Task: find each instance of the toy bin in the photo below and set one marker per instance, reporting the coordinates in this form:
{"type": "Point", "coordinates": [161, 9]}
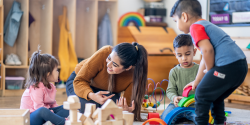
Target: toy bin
{"type": "Point", "coordinates": [14, 82]}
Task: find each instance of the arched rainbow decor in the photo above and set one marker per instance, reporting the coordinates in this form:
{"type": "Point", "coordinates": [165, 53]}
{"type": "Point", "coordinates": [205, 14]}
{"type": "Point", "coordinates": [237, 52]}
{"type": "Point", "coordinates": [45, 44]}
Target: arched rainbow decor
{"type": "Point", "coordinates": [186, 101]}
{"type": "Point", "coordinates": [133, 17]}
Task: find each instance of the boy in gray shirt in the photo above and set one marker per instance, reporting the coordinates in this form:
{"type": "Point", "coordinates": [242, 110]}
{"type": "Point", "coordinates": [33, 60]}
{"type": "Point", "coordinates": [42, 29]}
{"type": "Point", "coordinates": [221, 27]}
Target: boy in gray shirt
{"type": "Point", "coordinates": [182, 74]}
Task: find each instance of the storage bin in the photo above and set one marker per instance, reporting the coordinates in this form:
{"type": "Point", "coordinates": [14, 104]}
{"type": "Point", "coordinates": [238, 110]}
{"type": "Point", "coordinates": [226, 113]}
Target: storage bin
{"type": "Point", "coordinates": [14, 82]}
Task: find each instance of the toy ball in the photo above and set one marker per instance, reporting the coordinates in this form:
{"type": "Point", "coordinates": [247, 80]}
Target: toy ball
{"type": "Point", "coordinates": [146, 97]}
{"type": "Point", "coordinates": [151, 104]}
{"type": "Point", "coordinates": [158, 103]}
{"type": "Point", "coordinates": [145, 105]}
{"type": "Point", "coordinates": [154, 106]}
{"type": "Point", "coordinates": [144, 100]}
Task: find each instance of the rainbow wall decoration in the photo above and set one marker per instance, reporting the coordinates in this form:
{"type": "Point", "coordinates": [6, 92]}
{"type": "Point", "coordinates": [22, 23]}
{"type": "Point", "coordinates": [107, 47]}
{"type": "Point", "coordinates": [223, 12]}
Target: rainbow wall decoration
{"type": "Point", "coordinates": [133, 17]}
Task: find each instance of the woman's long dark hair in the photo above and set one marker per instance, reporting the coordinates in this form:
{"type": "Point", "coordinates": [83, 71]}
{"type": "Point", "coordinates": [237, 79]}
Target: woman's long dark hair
{"type": "Point", "coordinates": [40, 66]}
{"type": "Point", "coordinates": [135, 55]}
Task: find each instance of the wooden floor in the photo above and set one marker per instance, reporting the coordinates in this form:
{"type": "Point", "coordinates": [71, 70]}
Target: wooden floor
{"type": "Point", "coordinates": [14, 102]}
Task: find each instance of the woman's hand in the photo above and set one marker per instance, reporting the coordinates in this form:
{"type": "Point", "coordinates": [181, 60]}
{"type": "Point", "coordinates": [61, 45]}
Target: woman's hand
{"type": "Point", "coordinates": [194, 84]}
{"type": "Point", "coordinates": [99, 97]}
{"type": "Point", "coordinates": [176, 100]}
{"type": "Point", "coordinates": [123, 103]}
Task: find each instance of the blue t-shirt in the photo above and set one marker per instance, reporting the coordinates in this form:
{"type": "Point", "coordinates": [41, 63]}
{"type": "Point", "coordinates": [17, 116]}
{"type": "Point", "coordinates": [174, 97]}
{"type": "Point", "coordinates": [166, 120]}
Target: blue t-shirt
{"type": "Point", "coordinates": [225, 49]}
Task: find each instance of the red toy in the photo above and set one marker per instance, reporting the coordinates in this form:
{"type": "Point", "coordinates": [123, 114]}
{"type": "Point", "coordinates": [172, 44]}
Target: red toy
{"type": "Point", "coordinates": [186, 91]}
{"type": "Point", "coordinates": [153, 115]}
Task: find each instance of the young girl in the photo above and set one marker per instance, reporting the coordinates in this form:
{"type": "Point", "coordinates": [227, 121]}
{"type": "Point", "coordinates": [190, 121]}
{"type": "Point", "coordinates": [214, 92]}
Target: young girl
{"type": "Point", "coordinates": [39, 97]}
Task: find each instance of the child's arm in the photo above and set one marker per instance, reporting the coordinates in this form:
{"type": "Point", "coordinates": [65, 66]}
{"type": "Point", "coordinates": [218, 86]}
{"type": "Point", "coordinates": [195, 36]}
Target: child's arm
{"type": "Point", "coordinates": [207, 53]}
{"type": "Point", "coordinates": [172, 88]}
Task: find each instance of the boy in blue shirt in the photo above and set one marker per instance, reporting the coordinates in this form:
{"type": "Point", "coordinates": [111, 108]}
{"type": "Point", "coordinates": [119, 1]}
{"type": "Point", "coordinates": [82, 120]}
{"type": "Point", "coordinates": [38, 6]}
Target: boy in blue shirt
{"type": "Point", "coordinates": [223, 67]}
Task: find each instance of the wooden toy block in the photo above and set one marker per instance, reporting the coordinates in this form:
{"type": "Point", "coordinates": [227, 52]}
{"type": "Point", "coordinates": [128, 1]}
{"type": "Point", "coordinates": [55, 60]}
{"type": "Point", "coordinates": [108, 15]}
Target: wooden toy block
{"type": "Point", "coordinates": [96, 122]}
{"type": "Point", "coordinates": [112, 122]}
{"type": "Point", "coordinates": [14, 117]}
{"type": "Point", "coordinates": [83, 118]}
{"type": "Point", "coordinates": [73, 99]}
{"type": "Point", "coordinates": [68, 106]}
{"type": "Point", "coordinates": [128, 117]}
{"type": "Point", "coordinates": [68, 122]}
{"type": "Point", "coordinates": [95, 114]}
{"type": "Point", "coordinates": [89, 109]}
{"type": "Point", "coordinates": [104, 114]}
{"type": "Point", "coordinates": [73, 115]}
{"type": "Point", "coordinates": [109, 104]}
{"type": "Point", "coordinates": [72, 104]}
{"type": "Point", "coordinates": [88, 121]}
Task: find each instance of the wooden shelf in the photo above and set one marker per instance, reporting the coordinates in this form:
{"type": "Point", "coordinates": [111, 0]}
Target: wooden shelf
{"type": "Point", "coordinates": [16, 67]}
{"type": "Point", "coordinates": [20, 92]}
{"type": "Point", "coordinates": [83, 19]}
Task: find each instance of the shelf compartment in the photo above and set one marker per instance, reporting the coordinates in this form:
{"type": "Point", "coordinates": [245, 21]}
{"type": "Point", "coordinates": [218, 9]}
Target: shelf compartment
{"type": "Point", "coordinates": [40, 31]}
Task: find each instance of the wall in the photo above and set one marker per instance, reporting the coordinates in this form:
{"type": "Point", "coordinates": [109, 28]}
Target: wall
{"type": "Point", "coordinates": [125, 6]}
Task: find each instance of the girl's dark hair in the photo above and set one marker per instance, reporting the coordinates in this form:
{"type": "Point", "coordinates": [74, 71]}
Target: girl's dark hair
{"type": "Point", "coordinates": [135, 55]}
{"type": "Point", "coordinates": [40, 66]}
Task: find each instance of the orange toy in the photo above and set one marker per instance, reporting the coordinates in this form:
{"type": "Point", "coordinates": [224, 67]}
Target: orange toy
{"type": "Point", "coordinates": [156, 120]}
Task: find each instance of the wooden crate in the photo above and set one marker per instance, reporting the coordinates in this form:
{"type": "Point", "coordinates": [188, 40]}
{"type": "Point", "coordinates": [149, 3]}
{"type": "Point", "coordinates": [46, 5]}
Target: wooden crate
{"type": "Point", "coordinates": [14, 117]}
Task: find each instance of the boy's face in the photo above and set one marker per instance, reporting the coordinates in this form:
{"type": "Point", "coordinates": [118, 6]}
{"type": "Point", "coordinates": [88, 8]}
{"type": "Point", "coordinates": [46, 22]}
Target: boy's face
{"type": "Point", "coordinates": [181, 22]}
{"type": "Point", "coordinates": [184, 55]}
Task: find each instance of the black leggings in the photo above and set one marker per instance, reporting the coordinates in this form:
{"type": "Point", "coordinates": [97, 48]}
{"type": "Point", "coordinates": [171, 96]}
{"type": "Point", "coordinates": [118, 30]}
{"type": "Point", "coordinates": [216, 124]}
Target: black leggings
{"type": "Point", "coordinates": [213, 89]}
{"type": "Point", "coordinates": [70, 91]}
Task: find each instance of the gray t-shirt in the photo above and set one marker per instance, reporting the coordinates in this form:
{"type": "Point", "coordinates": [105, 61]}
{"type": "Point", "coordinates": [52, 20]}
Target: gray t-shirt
{"type": "Point", "coordinates": [178, 78]}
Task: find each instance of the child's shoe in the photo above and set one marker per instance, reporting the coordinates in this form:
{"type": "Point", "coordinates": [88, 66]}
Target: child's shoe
{"type": "Point", "coordinates": [16, 59]}
{"type": "Point", "coordinates": [9, 60]}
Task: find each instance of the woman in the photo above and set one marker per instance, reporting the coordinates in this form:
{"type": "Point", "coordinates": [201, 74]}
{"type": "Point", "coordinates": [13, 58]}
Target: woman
{"type": "Point", "coordinates": [116, 69]}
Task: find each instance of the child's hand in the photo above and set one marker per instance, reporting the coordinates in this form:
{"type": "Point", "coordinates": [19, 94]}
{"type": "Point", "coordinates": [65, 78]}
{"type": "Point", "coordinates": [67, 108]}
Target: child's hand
{"type": "Point", "coordinates": [123, 103]}
{"type": "Point", "coordinates": [52, 111]}
{"type": "Point", "coordinates": [176, 100]}
{"type": "Point", "coordinates": [99, 97]}
{"type": "Point", "coordinates": [193, 84]}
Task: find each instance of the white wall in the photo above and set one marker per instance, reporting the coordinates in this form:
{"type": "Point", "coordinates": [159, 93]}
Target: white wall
{"type": "Point", "coordinates": [125, 6]}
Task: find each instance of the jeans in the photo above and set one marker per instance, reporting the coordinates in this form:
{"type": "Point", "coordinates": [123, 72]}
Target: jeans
{"type": "Point", "coordinates": [42, 115]}
{"type": "Point", "coordinates": [186, 115]}
{"type": "Point", "coordinates": [70, 91]}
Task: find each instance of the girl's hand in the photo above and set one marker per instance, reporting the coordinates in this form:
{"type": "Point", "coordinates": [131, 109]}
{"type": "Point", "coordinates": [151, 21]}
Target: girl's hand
{"type": "Point", "coordinates": [99, 97]}
{"type": "Point", "coordinates": [194, 84]}
{"type": "Point", "coordinates": [176, 100]}
{"type": "Point", "coordinates": [123, 103]}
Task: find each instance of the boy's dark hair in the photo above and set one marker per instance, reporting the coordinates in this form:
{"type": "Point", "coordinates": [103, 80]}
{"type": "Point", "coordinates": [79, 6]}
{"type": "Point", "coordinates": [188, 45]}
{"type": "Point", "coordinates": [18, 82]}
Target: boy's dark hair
{"type": "Point", "coordinates": [192, 7]}
{"type": "Point", "coordinates": [40, 66]}
{"type": "Point", "coordinates": [182, 40]}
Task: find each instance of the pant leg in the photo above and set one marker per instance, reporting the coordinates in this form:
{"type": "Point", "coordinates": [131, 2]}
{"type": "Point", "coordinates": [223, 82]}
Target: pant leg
{"type": "Point", "coordinates": [213, 87]}
{"type": "Point", "coordinates": [167, 110]}
{"type": "Point", "coordinates": [60, 111]}
{"type": "Point", "coordinates": [69, 84]}
{"type": "Point", "coordinates": [42, 115]}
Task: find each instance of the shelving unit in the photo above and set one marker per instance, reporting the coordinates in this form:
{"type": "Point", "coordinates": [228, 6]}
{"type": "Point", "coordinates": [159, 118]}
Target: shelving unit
{"type": "Point", "coordinates": [83, 16]}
